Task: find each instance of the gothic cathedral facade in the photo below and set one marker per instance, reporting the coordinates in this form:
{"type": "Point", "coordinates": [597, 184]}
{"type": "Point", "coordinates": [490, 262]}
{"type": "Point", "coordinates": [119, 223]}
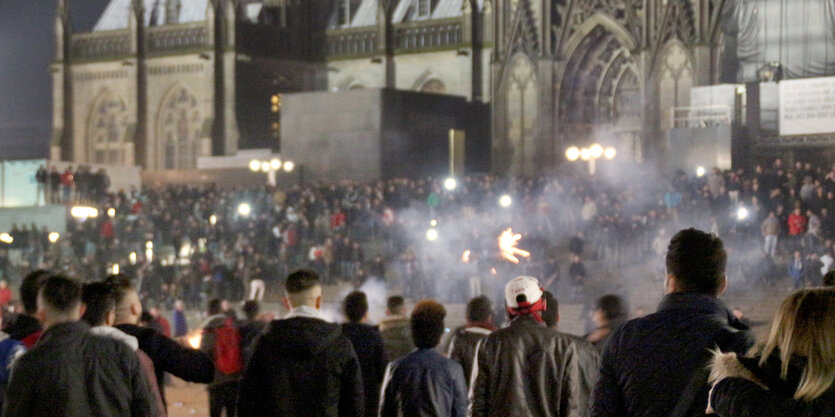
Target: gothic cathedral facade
{"type": "Point", "coordinates": [160, 83]}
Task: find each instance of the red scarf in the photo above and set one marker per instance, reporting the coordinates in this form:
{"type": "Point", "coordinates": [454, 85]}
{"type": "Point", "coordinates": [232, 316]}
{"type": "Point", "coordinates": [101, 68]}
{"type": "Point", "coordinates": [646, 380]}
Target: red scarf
{"type": "Point", "coordinates": [535, 310]}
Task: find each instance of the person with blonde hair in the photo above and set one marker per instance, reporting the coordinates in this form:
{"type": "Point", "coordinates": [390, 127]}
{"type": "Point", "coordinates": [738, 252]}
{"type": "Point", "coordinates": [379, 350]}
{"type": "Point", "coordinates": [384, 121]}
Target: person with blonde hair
{"type": "Point", "coordinates": [794, 372]}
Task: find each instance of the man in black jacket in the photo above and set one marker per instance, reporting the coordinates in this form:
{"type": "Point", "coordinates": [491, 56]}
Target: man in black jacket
{"type": "Point", "coordinates": [527, 369]}
{"type": "Point", "coordinates": [302, 365]}
{"type": "Point", "coordinates": [71, 372]}
{"type": "Point", "coordinates": [465, 339]}
{"type": "Point", "coordinates": [654, 366]}
{"type": "Point", "coordinates": [368, 345]}
{"type": "Point", "coordinates": [25, 327]}
{"type": "Point", "coordinates": [168, 356]}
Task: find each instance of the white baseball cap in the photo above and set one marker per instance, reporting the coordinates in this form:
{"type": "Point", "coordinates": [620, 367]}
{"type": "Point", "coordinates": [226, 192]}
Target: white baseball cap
{"type": "Point", "coordinates": [522, 286]}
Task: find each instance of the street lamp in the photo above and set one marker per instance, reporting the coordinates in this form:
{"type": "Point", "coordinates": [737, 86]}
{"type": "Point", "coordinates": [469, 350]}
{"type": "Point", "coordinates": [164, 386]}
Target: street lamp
{"type": "Point", "coordinates": [53, 237]}
{"type": "Point", "coordinates": [450, 184]}
{"type": "Point", "coordinates": [590, 154]}
{"type": "Point", "coordinates": [505, 201]}
{"type": "Point", "coordinates": [271, 167]}
{"type": "Point", "coordinates": [244, 209]}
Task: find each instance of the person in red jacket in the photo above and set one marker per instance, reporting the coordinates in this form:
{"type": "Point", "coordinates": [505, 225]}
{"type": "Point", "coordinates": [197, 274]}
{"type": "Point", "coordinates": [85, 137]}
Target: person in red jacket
{"type": "Point", "coordinates": [5, 293]}
{"type": "Point", "coordinates": [797, 226]}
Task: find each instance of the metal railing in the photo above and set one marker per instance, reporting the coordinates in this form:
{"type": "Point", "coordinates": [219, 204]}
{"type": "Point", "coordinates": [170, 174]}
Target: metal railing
{"type": "Point", "coordinates": [702, 116]}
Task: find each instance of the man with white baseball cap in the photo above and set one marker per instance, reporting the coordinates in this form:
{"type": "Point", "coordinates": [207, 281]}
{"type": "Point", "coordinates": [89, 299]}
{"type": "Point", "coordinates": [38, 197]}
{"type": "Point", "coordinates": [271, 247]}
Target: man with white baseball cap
{"type": "Point", "coordinates": [527, 369]}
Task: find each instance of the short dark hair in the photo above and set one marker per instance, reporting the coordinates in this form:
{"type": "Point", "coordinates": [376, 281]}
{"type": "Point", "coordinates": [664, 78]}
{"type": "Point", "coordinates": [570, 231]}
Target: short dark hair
{"type": "Point", "coordinates": [301, 280]}
{"type": "Point", "coordinates": [214, 306]}
{"type": "Point", "coordinates": [829, 279]}
{"type": "Point", "coordinates": [29, 288]}
{"type": "Point", "coordinates": [395, 303]}
{"type": "Point", "coordinates": [427, 323]}
{"type": "Point", "coordinates": [551, 315]}
{"type": "Point", "coordinates": [61, 293]}
{"type": "Point", "coordinates": [697, 260]}
{"type": "Point", "coordinates": [612, 307]}
{"type": "Point", "coordinates": [120, 283]}
{"type": "Point", "coordinates": [355, 306]}
{"type": "Point", "coordinates": [99, 299]}
{"type": "Point", "coordinates": [479, 309]}
{"type": "Point", "coordinates": [251, 309]}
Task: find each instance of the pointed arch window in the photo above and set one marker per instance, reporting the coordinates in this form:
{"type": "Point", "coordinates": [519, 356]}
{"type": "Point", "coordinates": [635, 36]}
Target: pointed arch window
{"type": "Point", "coordinates": [179, 130]}
{"type": "Point", "coordinates": [107, 130]}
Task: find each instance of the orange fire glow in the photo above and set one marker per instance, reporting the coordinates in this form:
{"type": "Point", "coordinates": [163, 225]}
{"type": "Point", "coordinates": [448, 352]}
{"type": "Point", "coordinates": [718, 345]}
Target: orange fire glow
{"type": "Point", "coordinates": [465, 257]}
{"type": "Point", "coordinates": [507, 244]}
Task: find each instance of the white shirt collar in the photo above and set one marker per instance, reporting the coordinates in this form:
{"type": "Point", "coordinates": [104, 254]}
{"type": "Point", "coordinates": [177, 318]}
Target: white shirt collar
{"type": "Point", "coordinates": [305, 311]}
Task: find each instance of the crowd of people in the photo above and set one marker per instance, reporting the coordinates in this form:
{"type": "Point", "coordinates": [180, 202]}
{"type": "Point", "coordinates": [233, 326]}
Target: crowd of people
{"type": "Point", "coordinates": [85, 349]}
{"type": "Point", "coordinates": [198, 242]}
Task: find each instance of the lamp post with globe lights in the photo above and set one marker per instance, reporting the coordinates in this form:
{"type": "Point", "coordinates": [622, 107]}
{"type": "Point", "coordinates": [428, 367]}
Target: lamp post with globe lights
{"type": "Point", "coordinates": [271, 167]}
{"type": "Point", "coordinates": [590, 155]}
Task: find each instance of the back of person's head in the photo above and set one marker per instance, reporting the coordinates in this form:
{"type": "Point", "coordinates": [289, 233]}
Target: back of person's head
{"type": "Point", "coordinates": [427, 323]}
{"type": "Point", "coordinates": [121, 286]}
{"type": "Point", "coordinates": [59, 300]}
{"type": "Point", "coordinates": [99, 301]}
{"type": "Point", "coordinates": [303, 288]}
{"type": "Point", "coordinates": [697, 261]}
{"type": "Point", "coordinates": [805, 326]}
{"type": "Point", "coordinates": [612, 307]}
{"type": "Point", "coordinates": [479, 310]}
{"type": "Point", "coordinates": [251, 309]}
{"type": "Point", "coordinates": [214, 306]}
{"type": "Point", "coordinates": [29, 288]}
{"type": "Point", "coordinates": [396, 304]}
{"type": "Point", "coordinates": [551, 315]}
{"type": "Point", "coordinates": [355, 306]}
{"type": "Point", "coordinates": [523, 296]}
{"type": "Point", "coordinates": [829, 279]}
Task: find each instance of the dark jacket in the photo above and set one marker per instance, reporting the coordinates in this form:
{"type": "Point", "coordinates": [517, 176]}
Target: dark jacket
{"type": "Point", "coordinates": [169, 356]}
{"type": "Point", "coordinates": [650, 363]}
{"type": "Point", "coordinates": [397, 336]}
{"type": "Point", "coordinates": [24, 328]}
{"type": "Point", "coordinates": [371, 354]}
{"type": "Point", "coordinates": [527, 369]}
{"type": "Point", "coordinates": [739, 396]}
{"type": "Point", "coordinates": [462, 347]}
{"type": "Point", "coordinates": [424, 384]}
{"type": "Point", "coordinates": [302, 367]}
{"type": "Point", "coordinates": [71, 372]}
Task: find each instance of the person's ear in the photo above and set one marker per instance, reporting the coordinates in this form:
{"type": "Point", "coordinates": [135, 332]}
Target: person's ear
{"type": "Point", "coordinates": [723, 285]}
{"type": "Point", "coordinates": [81, 309]}
{"type": "Point", "coordinates": [40, 315]}
{"type": "Point", "coordinates": [286, 302]}
{"type": "Point", "coordinates": [319, 302]}
{"type": "Point", "coordinates": [670, 284]}
{"type": "Point", "coordinates": [135, 310]}
{"type": "Point", "coordinates": [111, 317]}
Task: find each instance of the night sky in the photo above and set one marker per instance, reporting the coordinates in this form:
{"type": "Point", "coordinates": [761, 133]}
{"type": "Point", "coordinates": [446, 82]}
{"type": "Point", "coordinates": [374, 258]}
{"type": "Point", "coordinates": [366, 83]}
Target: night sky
{"type": "Point", "coordinates": [27, 47]}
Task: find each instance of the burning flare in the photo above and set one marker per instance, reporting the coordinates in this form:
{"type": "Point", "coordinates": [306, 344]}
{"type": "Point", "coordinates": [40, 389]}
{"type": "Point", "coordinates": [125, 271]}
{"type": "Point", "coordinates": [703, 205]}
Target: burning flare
{"type": "Point", "coordinates": [507, 244]}
{"type": "Point", "coordinates": [465, 257]}
{"type": "Point", "coordinates": [194, 339]}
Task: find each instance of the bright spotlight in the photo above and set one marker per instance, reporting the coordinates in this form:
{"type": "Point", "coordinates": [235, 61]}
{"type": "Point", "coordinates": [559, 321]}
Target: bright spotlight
{"type": "Point", "coordinates": [433, 222]}
{"type": "Point", "coordinates": [431, 235]}
{"type": "Point", "coordinates": [111, 212]}
{"type": "Point", "coordinates": [585, 154]}
{"type": "Point", "coordinates": [275, 164]}
{"type": "Point", "coordinates": [6, 238]}
{"type": "Point", "coordinates": [254, 165]}
{"type": "Point", "coordinates": [572, 153]}
{"type": "Point", "coordinates": [289, 166]}
{"type": "Point", "coordinates": [132, 258]}
{"type": "Point", "coordinates": [700, 172]}
{"type": "Point", "coordinates": [213, 220]}
{"type": "Point", "coordinates": [596, 151]}
{"type": "Point", "coordinates": [53, 237]}
{"type": "Point", "coordinates": [505, 201]}
{"type": "Point", "coordinates": [82, 212]}
{"type": "Point", "coordinates": [741, 213]}
{"type": "Point", "coordinates": [265, 166]}
{"type": "Point", "coordinates": [609, 153]}
{"type": "Point", "coordinates": [244, 209]}
{"type": "Point", "coordinates": [115, 269]}
{"type": "Point", "coordinates": [149, 245]}
{"type": "Point", "coordinates": [450, 184]}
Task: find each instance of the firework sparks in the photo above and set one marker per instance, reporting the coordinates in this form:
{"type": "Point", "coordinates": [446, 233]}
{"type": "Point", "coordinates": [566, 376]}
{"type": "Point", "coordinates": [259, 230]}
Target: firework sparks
{"type": "Point", "coordinates": [465, 257]}
{"type": "Point", "coordinates": [507, 244]}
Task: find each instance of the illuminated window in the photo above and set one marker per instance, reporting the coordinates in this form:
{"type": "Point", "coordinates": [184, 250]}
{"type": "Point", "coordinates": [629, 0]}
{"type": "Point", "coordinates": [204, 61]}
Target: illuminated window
{"type": "Point", "coordinates": [275, 103]}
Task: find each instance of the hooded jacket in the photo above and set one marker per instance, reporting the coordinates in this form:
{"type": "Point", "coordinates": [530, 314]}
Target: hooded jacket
{"type": "Point", "coordinates": [145, 362]}
{"type": "Point", "coordinates": [302, 366]}
{"type": "Point", "coordinates": [529, 370]}
{"type": "Point", "coordinates": [24, 328]}
{"type": "Point", "coordinates": [397, 336]}
{"type": "Point", "coordinates": [746, 389]}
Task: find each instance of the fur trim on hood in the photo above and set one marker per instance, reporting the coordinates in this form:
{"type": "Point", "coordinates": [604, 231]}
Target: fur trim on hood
{"type": "Point", "coordinates": [117, 334]}
{"type": "Point", "coordinates": [727, 365]}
